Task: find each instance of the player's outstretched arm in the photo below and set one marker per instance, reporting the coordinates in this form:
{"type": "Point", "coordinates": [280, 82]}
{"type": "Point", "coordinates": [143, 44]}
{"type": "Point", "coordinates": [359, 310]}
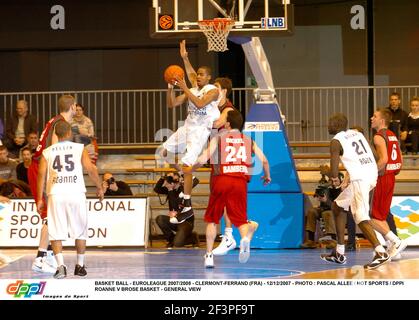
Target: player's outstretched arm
{"type": "Point", "coordinates": [190, 71]}
{"type": "Point", "coordinates": [92, 171]}
{"type": "Point", "coordinates": [265, 164]}
{"type": "Point", "coordinates": [40, 184]}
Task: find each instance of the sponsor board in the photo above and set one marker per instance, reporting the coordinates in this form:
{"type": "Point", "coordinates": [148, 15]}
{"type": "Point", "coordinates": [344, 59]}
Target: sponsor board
{"type": "Point", "coordinates": [261, 126]}
{"type": "Point", "coordinates": [112, 222]}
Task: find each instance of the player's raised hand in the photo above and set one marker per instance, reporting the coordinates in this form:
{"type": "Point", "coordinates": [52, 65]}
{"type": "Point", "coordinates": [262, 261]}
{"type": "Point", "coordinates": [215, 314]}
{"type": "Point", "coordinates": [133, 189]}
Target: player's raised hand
{"type": "Point", "coordinates": [181, 83]}
{"type": "Point", "coordinates": [266, 180]}
{"type": "Point", "coordinates": [182, 50]}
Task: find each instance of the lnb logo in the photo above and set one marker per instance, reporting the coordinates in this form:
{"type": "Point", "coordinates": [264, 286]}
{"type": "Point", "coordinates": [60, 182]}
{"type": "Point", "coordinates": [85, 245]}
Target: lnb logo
{"type": "Point", "coordinates": [27, 290]}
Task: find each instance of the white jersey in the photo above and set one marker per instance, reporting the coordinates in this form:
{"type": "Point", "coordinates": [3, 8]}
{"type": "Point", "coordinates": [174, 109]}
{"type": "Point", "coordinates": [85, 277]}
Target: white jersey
{"type": "Point", "coordinates": [203, 117]}
{"type": "Point", "coordinates": [65, 170]}
{"type": "Point", "coordinates": [357, 157]}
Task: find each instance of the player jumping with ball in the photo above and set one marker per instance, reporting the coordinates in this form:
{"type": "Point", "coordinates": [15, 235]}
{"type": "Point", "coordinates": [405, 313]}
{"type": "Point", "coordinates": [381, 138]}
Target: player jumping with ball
{"type": "Point", "coordinates": [190, 139]}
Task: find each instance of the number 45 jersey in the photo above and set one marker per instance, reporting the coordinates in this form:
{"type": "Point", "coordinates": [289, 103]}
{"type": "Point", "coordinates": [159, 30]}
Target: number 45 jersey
{"type": "Point", "coordinates": [64, 171]}
{"type": "Point", "coordinates": [358, 158]}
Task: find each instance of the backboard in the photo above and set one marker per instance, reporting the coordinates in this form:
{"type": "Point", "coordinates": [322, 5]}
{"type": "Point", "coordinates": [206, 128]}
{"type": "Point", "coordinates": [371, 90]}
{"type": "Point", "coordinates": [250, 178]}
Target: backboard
{"type": "Point", "coordinates": [176, 18]}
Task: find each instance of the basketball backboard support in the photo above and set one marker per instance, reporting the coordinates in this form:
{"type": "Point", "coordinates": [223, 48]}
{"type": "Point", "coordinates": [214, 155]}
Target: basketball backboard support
{"type": "Point", "coordinates": [179, 18]}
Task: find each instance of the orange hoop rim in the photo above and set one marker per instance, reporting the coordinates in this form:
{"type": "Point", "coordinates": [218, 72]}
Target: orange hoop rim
{"type": "Point", "coordinates": [217, 22]}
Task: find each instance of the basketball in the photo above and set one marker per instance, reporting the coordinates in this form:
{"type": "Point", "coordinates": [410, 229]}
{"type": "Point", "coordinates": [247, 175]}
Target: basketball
{"type": "Point", "coordinates": [172, 72]}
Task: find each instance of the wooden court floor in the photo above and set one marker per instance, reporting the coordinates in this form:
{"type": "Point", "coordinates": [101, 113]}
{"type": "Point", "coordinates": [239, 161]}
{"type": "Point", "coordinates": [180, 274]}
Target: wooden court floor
{"type": "Point", "coordinates": [189, 264]}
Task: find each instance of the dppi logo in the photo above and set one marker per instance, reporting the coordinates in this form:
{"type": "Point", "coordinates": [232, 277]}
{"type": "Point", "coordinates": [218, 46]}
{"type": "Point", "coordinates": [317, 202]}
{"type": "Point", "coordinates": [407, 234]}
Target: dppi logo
{"type": "Point", "coordinates": [27, 290]}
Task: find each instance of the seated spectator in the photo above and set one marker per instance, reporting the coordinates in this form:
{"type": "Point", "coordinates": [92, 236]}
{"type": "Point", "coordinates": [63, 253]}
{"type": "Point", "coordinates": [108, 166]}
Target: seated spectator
{"type": "Point", "coordinates": [18, 127]}
{"type": "Point", "coordinates": [7, 165]}
{"type": "Point", "coordinates": [179, 234]}
{"type": "Point", "coordinates": [83, 132]}
{"type": "Point", "coordinates": [113, 187]}
{"type": "Point", "coordinates": [413, 125]}
{"type": "Point", "coordinates": [22, 168]}
{"type": "Point", "coordinates": [82, 126]}
{"type": "Point", "coordinates": [14, 189]}
{"type": "Point", "coordinates": [32, 144]}
{"type": "Point", "coordinates": [326, 193]}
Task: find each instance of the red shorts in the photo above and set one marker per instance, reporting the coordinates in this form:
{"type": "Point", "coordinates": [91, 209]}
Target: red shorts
{"type": "Point", "coordinates": [231, 193]}
{"type": "Point", "coordinates": [32, 178]}
{"type": "Point", "coordinates": [383, 194]}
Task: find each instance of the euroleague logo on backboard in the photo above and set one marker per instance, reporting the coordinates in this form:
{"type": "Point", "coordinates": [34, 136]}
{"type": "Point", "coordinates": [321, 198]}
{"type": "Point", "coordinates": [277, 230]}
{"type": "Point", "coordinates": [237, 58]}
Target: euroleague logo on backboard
{"type": "Point", "coordinates": [27, 290]}
{"type": "Point", "coordinates": [166, 22]}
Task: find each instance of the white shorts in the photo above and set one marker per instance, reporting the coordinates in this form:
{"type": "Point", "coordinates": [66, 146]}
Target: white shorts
{"type": "Point", "coordinates": [67, 217]}
{"type": "Point", "coordinates": [356, 197]}
{"type": "Point", "coordinates": [189, 140]}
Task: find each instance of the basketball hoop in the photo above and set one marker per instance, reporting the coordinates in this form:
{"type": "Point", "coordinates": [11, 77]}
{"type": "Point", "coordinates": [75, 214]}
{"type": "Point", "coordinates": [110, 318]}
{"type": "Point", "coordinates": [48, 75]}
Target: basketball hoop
{"type": "Point", "coordinates": [216, 31]}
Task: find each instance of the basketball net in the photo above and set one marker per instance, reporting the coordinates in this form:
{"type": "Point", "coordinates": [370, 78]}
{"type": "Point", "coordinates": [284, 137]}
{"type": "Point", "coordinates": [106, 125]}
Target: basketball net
{"type": "Point", "coordinates": [216, 31]}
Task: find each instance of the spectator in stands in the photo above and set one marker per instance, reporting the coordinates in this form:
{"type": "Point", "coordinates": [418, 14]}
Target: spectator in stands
{"type": "Point", "coordinates": [13, 188]}
{"type": "Point", "coordinates": [413, 125]}
{"type": "Point", "coordinates": [32, 144]}
{"type": "Point", "coordinates": [83, 132]}
{"type": "Point", "coordinates": [7, 165]}
{"type": "Point", "coordinates": [179, 234]}
{"type": "Point", "coordinates": [113, 187]}
{"type": "Point", "coordinates": [18, 127]}
{"type": "Point", "coordinates": [22, 168]}
{"type": "Point", "coordinates": [326, 193]}
{"type": "Point", "coordinates": [82, 126]}
{"type": "Point", "coordinates": [398, 123]}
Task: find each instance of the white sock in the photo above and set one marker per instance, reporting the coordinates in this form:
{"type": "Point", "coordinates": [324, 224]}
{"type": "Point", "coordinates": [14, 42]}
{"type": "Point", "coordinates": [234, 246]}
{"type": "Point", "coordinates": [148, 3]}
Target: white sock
{"type": "Point", "coordinates": [80, 260]}
{"type": "Point", "coordinates": [60, 259]}
{"type": "Point", "coordinates": [340, 248]}
{"type": "Point", "coordinates": [392, 237]}
{"type": "Point", "coordinates": [228, 232]}
{"type": "Point", "coordinates": [187, 196]}
{"type": "Point", "coordinates": [379, 249]}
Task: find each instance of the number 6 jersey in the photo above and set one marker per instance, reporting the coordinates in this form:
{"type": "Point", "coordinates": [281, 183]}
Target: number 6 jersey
{"type": "Point", "coordinates": [358, 158]}
{"type": "Point", "coordinates": [64, 171]}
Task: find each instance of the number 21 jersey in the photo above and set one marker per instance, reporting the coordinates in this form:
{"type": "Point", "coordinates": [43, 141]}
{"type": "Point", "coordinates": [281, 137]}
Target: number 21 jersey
{"type": "Point", "coordinates": [357, 158]}
{"type": "Point", "coordinates": [64, 168]}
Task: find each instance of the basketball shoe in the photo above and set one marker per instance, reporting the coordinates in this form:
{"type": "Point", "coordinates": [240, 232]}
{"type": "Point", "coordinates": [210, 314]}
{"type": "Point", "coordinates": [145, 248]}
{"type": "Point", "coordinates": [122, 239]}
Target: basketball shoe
{"type": "Point", "coordinates": [41, 264]}
{"type": "Point", "coordinates": [80, 270]}
{"type": "Point", "coordinates": [186, 212]}
{"type": "Point", "coordinates": [227, 243]}
{"type": "Point", "coordinates": [334, 257]}
{"type": "Point", "coordinates": [244, 254]}
{"type": "Point", "coordinates": [394, 249]}
{"type": "Point", "coordinates": [379, 259]}
{"type": "Point", "coordinates": [61, 272]}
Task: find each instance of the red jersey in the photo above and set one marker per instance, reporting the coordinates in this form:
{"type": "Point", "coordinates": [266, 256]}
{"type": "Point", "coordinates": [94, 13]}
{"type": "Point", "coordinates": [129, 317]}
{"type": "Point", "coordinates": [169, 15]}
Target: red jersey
{"type": "Point", "coordinates": [394, 163]}
{"type": "Point", "coordinates": [235, 154]}
{"type": "Point", "coordinates": [46, 137]}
